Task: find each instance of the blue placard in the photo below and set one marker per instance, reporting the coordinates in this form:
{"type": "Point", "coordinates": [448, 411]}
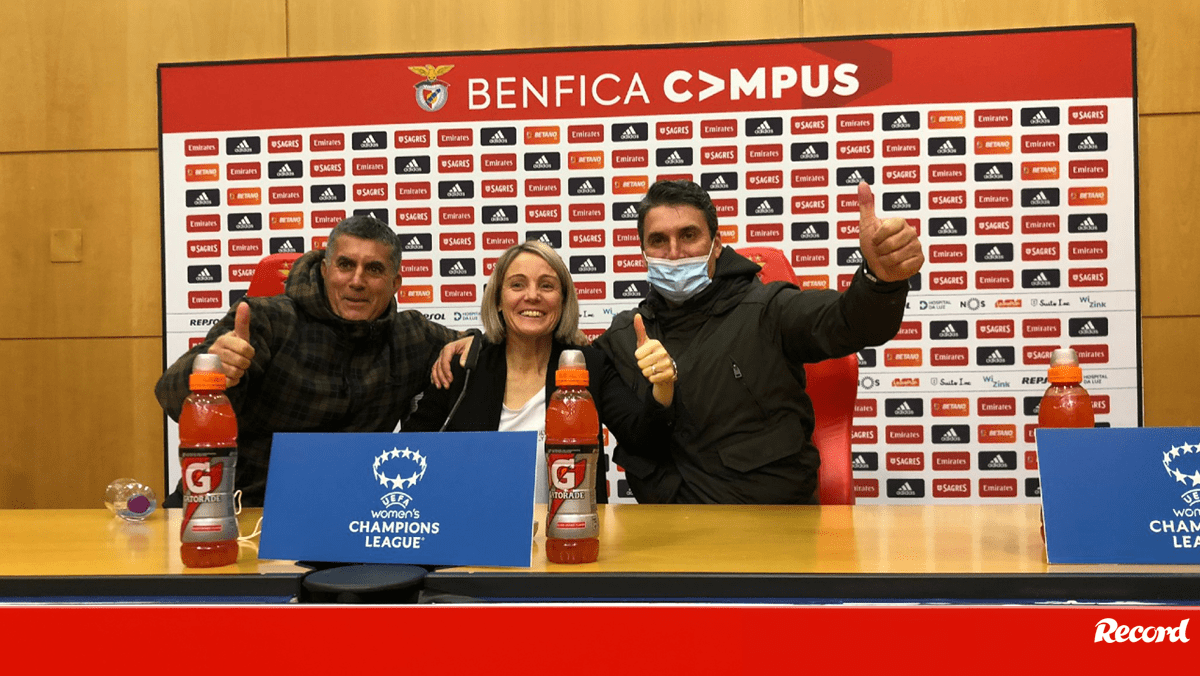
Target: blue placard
{"type": "Point", "coordinates": [1121, 495]}
{"type": "Point", "coordinates": [451, 498]}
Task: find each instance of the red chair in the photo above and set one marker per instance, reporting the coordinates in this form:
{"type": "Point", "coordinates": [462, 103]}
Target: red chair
{"type": "Point", "coordinates": [833, 387]}
{"type": "Point", "coordinates": [270, 275]}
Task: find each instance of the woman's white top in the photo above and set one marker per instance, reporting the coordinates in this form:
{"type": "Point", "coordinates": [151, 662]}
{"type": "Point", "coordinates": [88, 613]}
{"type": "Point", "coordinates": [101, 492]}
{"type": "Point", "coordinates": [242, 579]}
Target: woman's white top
{"type": "Point", "coordinates": [531, 418]}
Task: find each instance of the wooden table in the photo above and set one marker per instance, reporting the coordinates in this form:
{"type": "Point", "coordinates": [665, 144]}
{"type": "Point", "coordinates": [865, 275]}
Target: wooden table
{"type": "Point", "coordinates": [954, 553]}
{"type": "Point", "coordinates": [942, 553]}
{"type": "Point", "coordinates": [91, 554]}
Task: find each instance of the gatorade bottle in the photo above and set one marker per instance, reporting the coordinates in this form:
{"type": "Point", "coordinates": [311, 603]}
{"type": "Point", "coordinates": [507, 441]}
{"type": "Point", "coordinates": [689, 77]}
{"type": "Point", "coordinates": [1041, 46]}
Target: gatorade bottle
{"type": "Point", "coordinates": [572, 451]}
{"type": "Point", "coordinates": [1065, 403]}
{"type": "Point", "coordinates": [208, 454]}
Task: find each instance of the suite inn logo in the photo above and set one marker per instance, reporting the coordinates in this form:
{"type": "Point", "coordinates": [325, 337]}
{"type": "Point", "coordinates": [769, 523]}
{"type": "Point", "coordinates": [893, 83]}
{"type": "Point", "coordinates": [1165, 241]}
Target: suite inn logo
{"type": "Point", "coordinates": [396, 526]}
{"type": "Point", "coordinates": [432, 93]}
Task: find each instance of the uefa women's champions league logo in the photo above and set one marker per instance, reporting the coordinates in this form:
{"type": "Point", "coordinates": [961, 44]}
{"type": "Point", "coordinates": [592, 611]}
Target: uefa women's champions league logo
{"type": "Point", "coordinates": [432, 93]}
{"type": "Point", "coordinates": [399, 461]}
{"type": "Point", "coordinates": [1175, 457]}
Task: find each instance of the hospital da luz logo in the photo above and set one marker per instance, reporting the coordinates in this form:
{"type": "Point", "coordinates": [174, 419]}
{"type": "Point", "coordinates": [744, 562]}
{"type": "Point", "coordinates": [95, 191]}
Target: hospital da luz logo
{"type": "Point", "coordinates": [432, 92]}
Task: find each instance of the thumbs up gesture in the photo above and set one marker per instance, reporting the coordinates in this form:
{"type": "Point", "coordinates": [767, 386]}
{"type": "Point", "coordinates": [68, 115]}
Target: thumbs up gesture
{"type": "Point", "coordinates": [234, 347]}
{"type": "Point", "coordinates": [890, 246]}
{"type": "Point", "coordinates": [656, 365]}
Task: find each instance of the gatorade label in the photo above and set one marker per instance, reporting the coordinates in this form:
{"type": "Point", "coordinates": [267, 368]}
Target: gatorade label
{"type": "Point", "coordinates": [572, 482]}
{"type": "Point", "coordinates": [208, 494]}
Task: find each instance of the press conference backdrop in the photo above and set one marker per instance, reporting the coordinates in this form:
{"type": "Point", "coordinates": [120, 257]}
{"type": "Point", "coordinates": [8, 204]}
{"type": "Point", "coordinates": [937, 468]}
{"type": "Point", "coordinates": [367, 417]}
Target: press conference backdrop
{"type": "Point", "coordinates": [1013, 153]}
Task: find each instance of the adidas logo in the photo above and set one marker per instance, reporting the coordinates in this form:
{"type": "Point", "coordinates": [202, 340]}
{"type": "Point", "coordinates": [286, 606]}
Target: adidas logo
{"type": "Point", "coordinates": [586, 189]}
{"type": "Point", "coordinates": [855, 258]}
{"type": "Point", "coordinates": [673, 158]}
{"type": "Point", "coordinates": [455, 191]}
{"type": "Point", "coordinates": [854, 179]}
{"type": "Point", "coordinates": [810, 233]}
{"type": "Point", "coordinates": [243, 147]}
{"type": "Point", "coordinates": [903, 409]}
{"type": "Point", "coordinates": [905, 489]}
{"type": "Point", "coordinates": [993, 174]}
{"type": "Point", "coordinates": [994, 358]}
{"type": "Point", "coordinates": [1087, 225]}
{"type": "Point", "coordinates": [763, 128]}
{"type": "Point", "coordinates": [587, 266]}
{"type": "Point", "coordinates": [630, 134]}
{"type": "Point", "coordinates": [1087, 144]}
{"type": "Point", "coordinates": [202, 200]}
{"type": "Point", "coordinates": [947, 229]}
{"type": "Point", "coordinates": [994, 255]}
{"type": "Point", "coordinates": [901, 123]}
{"type": "Point", "coordinates": [204, 276]}
{"type": "Point", "coordinates": [630, 212]}
{"type": "Point", "coordinates": [810, 153]}
{"type": "Point", "coordinates": [244, 223]}
{"type": "Point", "coordinates": [1040, 280]}
{"type": "Point", "coordinates": [328, 195]}
{"type": "Point", "coordinates": [861, 361]}
{"type": "Point", "coordinates": [951, 436]}
{"type": "Point", "coordinates": [901, 203]}
{"type": "Point", "coordinates": [457, 269]}
{"type": "Point", "coordinates": [764, 208]}
{"type": "Point", "coordinates": [499, 217]}
{"type": "Point", "coordinates": [1088, 329]}
{"type": "Point", "coordinates": [285, 171]}
{"type": "Point", "coordinates": [545, 239]}
{"type": "Point", "coordinates": [542, 163]}
{"type": "Point", "coordinates": [286, 247]}
{"type": "Point", "coordinates": [498, 138]}
{"type": "Point", "coordinates": [1040, 118]}
{"type": "Point", "coordinates": [997, 462]}
{"type": "Point", "coordinates": [719, 183]}
{"type": "Point", "coordinates": [947, 148]}
{"type": "Point", "coordinates": [630, 292]}
{"type": "Point", "coordinates": [948, 332]}
{"type": "Point", "coordinates": [414, 244]}
{"type": "Point", "coordinates": [369, 142]}
{"type": "Point", "coordinates": [412, 166]}
{"type": "Point", "coordinates": [859, 463]}
{"type": "Point", "coordinates": [1039, 199]}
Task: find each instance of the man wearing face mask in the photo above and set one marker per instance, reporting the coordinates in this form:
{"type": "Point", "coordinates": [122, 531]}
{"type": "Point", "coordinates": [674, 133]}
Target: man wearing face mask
{"type": "Point", "coordinates": [742, 418]}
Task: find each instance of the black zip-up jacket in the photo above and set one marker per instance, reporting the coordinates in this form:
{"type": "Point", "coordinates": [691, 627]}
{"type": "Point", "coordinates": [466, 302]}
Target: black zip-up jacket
{"type": "Point", "coordinates": [742, 418]}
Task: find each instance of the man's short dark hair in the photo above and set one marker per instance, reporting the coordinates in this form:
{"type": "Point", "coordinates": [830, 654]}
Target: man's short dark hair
{"type": "Point", "coordinates": [371, 228]}
{"type": "Point", "coordinates": [675, 194]}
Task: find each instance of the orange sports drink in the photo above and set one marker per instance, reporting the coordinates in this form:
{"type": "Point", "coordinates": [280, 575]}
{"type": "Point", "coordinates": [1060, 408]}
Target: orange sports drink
{"type": "Point", "coordinates": [572, 452]}
{"type": "Point", "coordinates": [208, 455]}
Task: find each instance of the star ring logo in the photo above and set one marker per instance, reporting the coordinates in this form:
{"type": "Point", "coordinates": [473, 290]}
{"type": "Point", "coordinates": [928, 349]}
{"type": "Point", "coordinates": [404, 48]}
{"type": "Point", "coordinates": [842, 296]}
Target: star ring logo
{"type": "Point", "coordinates": [398, 482]}
{"type": "Point", "coordinates": [1192, 496]}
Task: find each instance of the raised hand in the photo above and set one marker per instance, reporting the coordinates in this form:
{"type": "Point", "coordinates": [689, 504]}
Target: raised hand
{"type": "Point", "coordinates": [441, 376]}
{"type": "Point", "coordinates": [656, 365]}
{"type": "Point", "coordinates": [234, 347]}
{"type": "Point", "coordinates": [890, 246]}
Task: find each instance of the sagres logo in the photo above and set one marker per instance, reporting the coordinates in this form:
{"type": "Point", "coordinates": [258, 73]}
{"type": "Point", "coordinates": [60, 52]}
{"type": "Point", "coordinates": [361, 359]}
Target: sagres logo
{"type": "Point", "coordinates": [432, 94]}
{"type": "Point", "coordinates": [399, 462]}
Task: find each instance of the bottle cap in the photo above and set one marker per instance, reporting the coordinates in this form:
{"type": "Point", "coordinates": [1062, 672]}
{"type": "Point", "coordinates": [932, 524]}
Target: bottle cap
{"type": "Point", "coordinates": [1064, 366]}
{"type": "Point", "coordinates": [207, 373]}
{"type": "Point", "coordinates": [572, 370]}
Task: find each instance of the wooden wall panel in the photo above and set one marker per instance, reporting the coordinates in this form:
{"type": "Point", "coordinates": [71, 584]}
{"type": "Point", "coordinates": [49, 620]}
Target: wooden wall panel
{"type": "Point", "coordinates": [1169, 181]}
{"type": "Point", "coordinates": [330, 27]}
{"type": "Point", "coordinates": [81, 74]}
{"type": "Point", "coordinates": [78, 414]}
{"type": "Point", "coordinates": [1168, 53]}
{"type": "Point", "coordinates": [112, 198]}
{"type": "Point", "coordinates": [1170, 362]}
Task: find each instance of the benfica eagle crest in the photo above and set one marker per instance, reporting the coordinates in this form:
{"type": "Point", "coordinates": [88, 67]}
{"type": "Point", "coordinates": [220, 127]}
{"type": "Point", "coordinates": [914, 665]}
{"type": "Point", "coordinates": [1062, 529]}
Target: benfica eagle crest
{"type": "Point", "coordinates": [432, 93]}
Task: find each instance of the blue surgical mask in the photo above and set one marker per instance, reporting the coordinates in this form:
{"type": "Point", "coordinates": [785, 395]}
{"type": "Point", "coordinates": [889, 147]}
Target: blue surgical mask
{"type": "Point", "coordinates": [680, 279]}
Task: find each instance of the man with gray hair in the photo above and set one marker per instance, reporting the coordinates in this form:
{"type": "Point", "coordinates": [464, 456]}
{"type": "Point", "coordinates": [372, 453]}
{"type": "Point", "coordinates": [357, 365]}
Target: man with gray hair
{"type": "Point", "coordinates": [331, 354]}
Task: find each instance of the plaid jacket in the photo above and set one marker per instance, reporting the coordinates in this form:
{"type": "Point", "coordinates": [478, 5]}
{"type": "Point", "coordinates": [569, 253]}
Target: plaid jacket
{"type": "Point", "coordinates": [314, 371]}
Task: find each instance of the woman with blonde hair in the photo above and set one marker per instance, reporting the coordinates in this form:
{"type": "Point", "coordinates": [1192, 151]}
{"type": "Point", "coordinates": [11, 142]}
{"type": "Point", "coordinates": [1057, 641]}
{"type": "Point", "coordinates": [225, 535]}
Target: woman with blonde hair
{"type": "Point", "coordinates": [530, 314]}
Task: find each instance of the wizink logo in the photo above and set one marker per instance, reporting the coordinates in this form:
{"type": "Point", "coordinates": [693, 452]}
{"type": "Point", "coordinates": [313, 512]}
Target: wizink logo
{"type": "Point", "coordinates": [399, 461]}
